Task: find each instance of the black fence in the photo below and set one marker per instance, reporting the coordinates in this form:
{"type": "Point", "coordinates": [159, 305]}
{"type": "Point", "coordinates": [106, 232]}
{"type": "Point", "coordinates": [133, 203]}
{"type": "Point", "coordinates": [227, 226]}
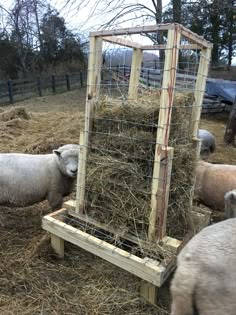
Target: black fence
{"type": "Point", "coordinates": [20, 89]}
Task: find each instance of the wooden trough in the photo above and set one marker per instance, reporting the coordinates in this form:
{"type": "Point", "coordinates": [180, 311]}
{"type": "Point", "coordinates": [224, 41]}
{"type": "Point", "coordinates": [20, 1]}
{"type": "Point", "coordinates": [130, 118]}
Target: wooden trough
{"type": "Point", "coordinates": [73, 225]}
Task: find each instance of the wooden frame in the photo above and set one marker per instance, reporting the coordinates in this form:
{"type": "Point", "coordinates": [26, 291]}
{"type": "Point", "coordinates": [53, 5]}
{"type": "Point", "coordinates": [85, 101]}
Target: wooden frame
{"type": "Point", "coordinates": [153, 273]}
{"type": "Point", "coordinates": [146, 268]}
{"type": "Point", "coordinates": [200, 41]}
{"type": "Point", "coordinates": [160, 184]}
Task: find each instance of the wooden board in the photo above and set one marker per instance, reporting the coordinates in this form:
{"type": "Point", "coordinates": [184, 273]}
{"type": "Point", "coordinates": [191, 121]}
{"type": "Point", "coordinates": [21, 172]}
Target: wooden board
{"type": "Point", "coordinates": [135, 73]}
{"type": "Point", "coordinates": [200, 89]}
{"type": "Point", "coordinates": [93, 86]}
{"type": "Point", "coordinates": [159, 208]}
{"type": "Point", "coordinates": [146, 269]}
{"type": "Point", "coordinates": [194, 38]}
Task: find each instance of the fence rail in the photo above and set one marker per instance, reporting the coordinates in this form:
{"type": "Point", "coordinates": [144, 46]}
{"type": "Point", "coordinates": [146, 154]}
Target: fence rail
{"type": "Point", "coordinates": [19, 89]}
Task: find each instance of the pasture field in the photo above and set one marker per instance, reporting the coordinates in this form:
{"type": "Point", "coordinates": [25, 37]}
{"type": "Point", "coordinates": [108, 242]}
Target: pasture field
{"type": "Point", "coordinates": [32, 279]}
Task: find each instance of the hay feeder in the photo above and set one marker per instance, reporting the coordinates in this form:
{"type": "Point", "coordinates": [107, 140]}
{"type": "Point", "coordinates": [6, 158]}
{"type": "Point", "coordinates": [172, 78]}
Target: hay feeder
{"type": "Point", "coordinates": [111, 179]}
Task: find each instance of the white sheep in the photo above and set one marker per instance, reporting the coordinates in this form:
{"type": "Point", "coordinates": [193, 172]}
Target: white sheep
{"type": "Point", "coordinates": [208, 144]}
{"type": "Point", "coordinates": [213, 181]}
{"type": "Point", "coordinates": [230, 204]}
{"type": "Point", "coordinates": [205, 280]}
{"type": "Point", "coordinates": [26, 179]}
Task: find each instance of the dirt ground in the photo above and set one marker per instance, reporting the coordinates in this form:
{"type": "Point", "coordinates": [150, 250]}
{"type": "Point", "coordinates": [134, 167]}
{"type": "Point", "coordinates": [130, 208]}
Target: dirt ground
{"type": "Point", "coordinates": [80, 283]}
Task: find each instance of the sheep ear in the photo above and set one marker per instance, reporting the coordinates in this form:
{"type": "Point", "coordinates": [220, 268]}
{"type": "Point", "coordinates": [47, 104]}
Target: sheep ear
{"type": "Point", "coordinates": [57, 153]}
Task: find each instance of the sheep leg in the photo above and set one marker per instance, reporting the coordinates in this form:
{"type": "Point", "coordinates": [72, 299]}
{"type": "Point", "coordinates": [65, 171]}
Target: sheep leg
{"type": "Point", "coordinates": [55, 201]}
{"type": "Point", "coordinates": [181, 305]}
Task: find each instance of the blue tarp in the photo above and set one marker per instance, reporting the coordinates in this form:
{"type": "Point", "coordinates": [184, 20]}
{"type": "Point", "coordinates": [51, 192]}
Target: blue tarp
{"type": "Point", "coordinates": [226, 91]}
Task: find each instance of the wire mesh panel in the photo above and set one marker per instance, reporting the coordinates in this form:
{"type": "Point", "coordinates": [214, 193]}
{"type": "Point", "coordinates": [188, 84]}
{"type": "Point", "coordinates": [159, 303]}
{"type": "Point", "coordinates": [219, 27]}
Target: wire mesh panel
{"type": "Point", "coordinates": [138, 157]}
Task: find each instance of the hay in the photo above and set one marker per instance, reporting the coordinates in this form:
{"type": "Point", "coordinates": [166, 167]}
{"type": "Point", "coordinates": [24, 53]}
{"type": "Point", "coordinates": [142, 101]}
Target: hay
{"type": "Point", "coordinates": [120, 161]}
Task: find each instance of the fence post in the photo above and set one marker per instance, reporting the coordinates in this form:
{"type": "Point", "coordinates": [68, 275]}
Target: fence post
{"type": "Point", "coordinates": [124, 72]}
{"type": "Point", "coordinates": [10, 90]}
{"type": "Point", "coordinates": [155, 64]}
{"type": "Point", "coordinates": [68, 82]}
{"type": "Point", "coordinates": [148, 78]}
{"type": "Point", "coordinates": [81, 78]}
{"type": "Point", "coordinates": [53, 84]}
{"type": "Point", "coordinates": [39, 85]}
{"type": "Point", "coordinates": [117, 71]}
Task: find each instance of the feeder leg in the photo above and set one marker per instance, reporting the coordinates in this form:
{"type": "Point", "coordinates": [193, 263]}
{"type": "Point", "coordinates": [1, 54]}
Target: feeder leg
{"type": "Point", "coordinates": [149, 292]}
{"type": "Point", "coordinates": [58, 245]}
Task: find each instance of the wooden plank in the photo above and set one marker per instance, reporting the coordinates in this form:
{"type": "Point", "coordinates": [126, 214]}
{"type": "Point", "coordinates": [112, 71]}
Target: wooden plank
{"type": "Point", "coordinates": [121, 41]}
{"type": "Point", "coordinates": [134, 30]}
{"type": "Point", "coordinates": [196, 39]}
{"type": "Point", "coordinates": [200, 89]}
{"type": "Point", "coordinates": [93, 84]}
{"type": "Point", "coordinates": [199, 40]}
{"type": "Point", "coordinates": [158, 47]}
{"type": "Point", "coordinates": [57, 245]}
{"type": "Point", "coordinates": [80, 187]}
{"type": "Point", "coordinates": [160, 193]}
{"type": "Point", "coordinates": [142, 268]}
{"type": "Point", "coordinates": [135, 73]}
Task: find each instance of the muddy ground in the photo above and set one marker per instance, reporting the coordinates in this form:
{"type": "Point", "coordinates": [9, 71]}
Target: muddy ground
{"type": "Point", "coordinates": [80, 283]}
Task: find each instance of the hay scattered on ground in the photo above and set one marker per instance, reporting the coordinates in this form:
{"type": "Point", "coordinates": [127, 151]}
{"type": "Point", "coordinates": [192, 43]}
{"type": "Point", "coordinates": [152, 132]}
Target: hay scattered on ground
{"type": "Point", "coordinates": [119, 168]}
{"type": "Point", "coordinates": [81, 284]}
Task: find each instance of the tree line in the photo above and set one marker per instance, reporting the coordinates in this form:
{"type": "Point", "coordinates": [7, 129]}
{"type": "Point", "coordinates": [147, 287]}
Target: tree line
{"type": "Point", "coordinates": [34, 38]}
{"type": "Point", "coordinates": [215, 20]}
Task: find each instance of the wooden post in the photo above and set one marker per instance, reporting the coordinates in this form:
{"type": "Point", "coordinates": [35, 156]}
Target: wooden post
{"type": "Point", "coordinates": [53, 84]}
{"type": "Point", "coordinates": [135, 73]}
{"type": "Point", "coordinates": [148, 77]}
{"type": "Point", "coordinates": [57, 244]}
{"type": "Point", "coordinates": [160, 181]}
{"type": "Point", "coordinates": [68, 82]}
{"type": "Point", "coordinates": [80, 185]}
{"type": "Point", "coordinates": [10, 91]}
{"type": "Point", "coordinates": [197, 105]}
{"type": "Point", "coordinates": [148, 291]}
{"type": "Point", "coordinates": [157, 224]}
{"type": "Point", "coordinates": [39, 85]}
{"type": "Point", "coordinates": [93, 89]}
{"type": "Point", "coordinates": [200, 88]}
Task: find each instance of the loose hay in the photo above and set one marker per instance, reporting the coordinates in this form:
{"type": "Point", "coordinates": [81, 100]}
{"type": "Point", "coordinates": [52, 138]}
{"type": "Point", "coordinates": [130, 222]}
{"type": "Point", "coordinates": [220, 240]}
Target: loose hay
{"type": "Point", "coordinates": [120, 164]}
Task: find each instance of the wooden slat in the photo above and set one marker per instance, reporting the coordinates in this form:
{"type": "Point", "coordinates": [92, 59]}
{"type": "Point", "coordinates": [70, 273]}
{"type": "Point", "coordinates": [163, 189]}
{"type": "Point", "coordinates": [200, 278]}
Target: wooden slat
{"type": "Point", "coordinates": [200, 89]}
{"type": "Point", "coordinates": [80, 177]}
{"type": "Point", "coordinates": [145, 268]}
{"type": "Point", "coordinates": [134, 30]}
{"type": "Point", "coordinates": [200, 41]}
{"type": "Point", "coordinates": [135, 73]}
{"type": "Point", "coordinates": [196, 39]}
{"type": "Point", "coordinates": [93, 85]}
{"type": "Point", "coordinates": [160, 195]}
{"type": "Point", "coordinates": [121, 41]}
{"type": "Point", "coordinates": [166, 102]}
{"type": "Point", "coordinates": [158, 47]}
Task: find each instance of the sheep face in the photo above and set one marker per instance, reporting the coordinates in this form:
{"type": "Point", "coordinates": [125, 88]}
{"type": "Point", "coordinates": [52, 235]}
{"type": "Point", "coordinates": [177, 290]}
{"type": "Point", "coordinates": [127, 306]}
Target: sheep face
{"type": "Point", "coordinates": [230, 204]}
{"type": "Point", "coordinates": [68, 161]}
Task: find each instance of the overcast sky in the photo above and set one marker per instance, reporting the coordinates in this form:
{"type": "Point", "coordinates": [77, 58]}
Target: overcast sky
{"type": "Point", "coordinates": [88, 16]}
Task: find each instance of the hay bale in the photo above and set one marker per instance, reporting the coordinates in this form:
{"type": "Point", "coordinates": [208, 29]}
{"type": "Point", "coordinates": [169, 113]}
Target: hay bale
{"type": "Point", "coordinates": [13, 113]}
{"type": "Point", "coordinates": [13, 122]}
{"type": "Point", "coordinates": [120, 164]}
